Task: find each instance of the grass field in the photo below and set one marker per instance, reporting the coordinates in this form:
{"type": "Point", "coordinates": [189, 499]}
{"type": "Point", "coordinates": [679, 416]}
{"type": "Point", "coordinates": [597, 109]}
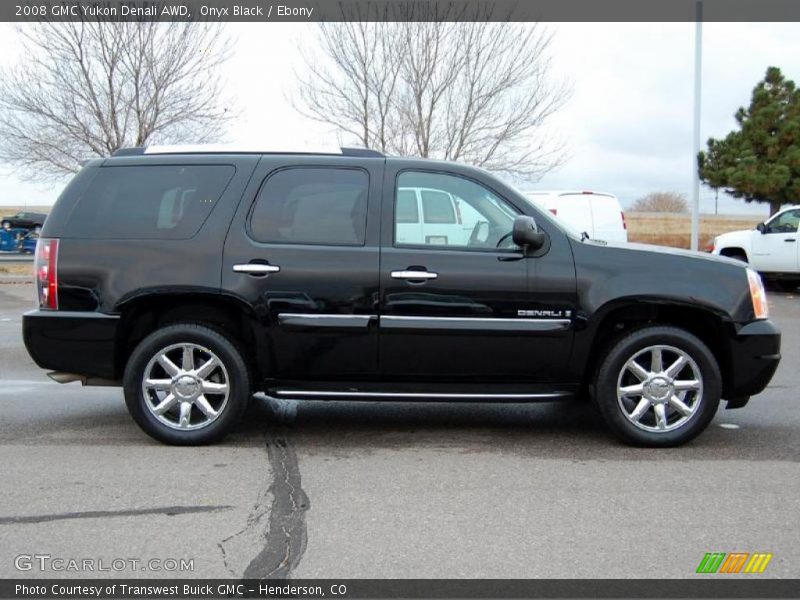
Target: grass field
{"type": "Point", "coordinates": [665, 229]}
{"type": "Point", "coordinates": [17, 269]}
{"type": "Point", "coordinates": [662, 229]}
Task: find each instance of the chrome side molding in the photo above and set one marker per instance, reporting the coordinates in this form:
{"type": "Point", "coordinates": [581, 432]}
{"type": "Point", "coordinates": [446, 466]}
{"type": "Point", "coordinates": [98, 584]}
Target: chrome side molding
{"type": "Point", "coordinates": [317, 320]}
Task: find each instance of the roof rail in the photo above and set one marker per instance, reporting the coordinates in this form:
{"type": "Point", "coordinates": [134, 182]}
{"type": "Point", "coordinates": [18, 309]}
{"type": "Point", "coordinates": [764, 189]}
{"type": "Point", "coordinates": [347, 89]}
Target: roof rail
{"type": "Point", "coordinates": [228, 149]}
{"type": "Point", "coordinates": [365, 152]}
{"type": "Point", "coordinates": [134, 151]}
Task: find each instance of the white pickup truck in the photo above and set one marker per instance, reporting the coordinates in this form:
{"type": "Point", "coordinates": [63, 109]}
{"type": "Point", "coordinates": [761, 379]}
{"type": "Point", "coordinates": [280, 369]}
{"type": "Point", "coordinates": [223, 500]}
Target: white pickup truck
{"type": "Point", "coordinates": [771, 248]}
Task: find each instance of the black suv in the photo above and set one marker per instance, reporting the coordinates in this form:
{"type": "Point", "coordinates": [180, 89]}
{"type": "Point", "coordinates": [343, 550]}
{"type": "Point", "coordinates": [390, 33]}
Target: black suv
{"type": "Point", "coordinates": [24, 220]}
{"type": "Point", "coordinates": [194, 279]}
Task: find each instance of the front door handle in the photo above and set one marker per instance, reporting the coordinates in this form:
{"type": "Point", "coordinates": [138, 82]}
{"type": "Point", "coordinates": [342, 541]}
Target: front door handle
{"type": "Point", "coordinates": [256, 268]}
{"type": "Point", "coordinates": [414, 275]}
{"type": "Point", "coordinates": [789, 240]}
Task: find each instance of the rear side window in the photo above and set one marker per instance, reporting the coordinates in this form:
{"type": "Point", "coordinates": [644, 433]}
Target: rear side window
{"type": "Point", "coordinates": [148, 202]}
{"type": "Point", "coordinates": [437, 207]}
{"type": "Point", "coordinates": [312, 205]}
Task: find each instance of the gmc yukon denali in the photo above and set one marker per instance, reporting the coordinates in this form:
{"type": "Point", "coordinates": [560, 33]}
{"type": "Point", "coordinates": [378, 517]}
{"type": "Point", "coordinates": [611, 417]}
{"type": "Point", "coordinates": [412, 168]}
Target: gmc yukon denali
{"type": "Point", "coordinates": [195, 278]}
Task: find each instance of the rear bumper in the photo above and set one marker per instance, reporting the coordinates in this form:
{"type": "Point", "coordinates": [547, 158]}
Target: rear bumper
{"type": "Point", "coordinates": [755, 354]}
{"type": "Point", "coordinates": [72, 342]}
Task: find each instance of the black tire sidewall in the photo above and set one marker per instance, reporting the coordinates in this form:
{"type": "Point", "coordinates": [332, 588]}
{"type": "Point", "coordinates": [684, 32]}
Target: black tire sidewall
{"type": "Point", "coordinates": [225, 349]}
{"type": "Point", "coordinates": [624, 349]}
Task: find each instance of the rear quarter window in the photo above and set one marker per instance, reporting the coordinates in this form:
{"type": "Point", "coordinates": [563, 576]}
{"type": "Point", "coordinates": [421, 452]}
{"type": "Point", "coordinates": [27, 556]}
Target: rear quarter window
{"type": "Point", "coordinates": [148, 201]}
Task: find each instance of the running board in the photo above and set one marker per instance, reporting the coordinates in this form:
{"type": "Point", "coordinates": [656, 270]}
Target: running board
{"type": "Point", "coordinates": [416, 396]}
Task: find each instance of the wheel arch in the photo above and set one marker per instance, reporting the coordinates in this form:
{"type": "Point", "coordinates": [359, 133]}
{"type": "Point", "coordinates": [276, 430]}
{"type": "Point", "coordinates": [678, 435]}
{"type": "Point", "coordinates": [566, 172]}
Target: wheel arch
{"type": "Point", "coordinates": [731, 251]}
{"type": "Point", "coordinates": [227, 314]}
{"type": "Point", "coordinates": [620, 317]}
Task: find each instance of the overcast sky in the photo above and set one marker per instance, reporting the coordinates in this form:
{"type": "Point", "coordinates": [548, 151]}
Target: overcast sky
{"type": "Point", "coordinates": [627, 125]}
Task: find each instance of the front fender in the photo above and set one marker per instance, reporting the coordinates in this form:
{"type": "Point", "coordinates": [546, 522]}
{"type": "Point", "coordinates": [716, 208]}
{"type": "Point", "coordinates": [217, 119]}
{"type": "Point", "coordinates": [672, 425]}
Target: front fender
{"type": "Point", "coordinates": [734, 239]}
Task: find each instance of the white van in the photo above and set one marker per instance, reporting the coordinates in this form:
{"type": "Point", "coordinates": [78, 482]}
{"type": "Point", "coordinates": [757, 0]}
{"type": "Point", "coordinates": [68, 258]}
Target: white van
{"type": "Point", "coordinates": [597, 213]}
{"type": "Point", "coordinates": [428, 216]}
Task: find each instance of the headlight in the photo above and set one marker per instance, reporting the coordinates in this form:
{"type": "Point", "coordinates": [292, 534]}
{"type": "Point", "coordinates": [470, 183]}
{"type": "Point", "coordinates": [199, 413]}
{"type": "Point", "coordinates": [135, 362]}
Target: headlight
{"type": "Point", "coordinates": [757, 294]}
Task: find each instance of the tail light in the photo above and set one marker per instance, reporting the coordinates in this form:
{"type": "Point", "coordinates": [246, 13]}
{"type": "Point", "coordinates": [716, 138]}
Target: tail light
{"type": "Point", "coordinates": [554, 211]}
{"type": "Point", "coordinates": [46, 269]}
{"type": "Point", "coordinates": [624, 222]}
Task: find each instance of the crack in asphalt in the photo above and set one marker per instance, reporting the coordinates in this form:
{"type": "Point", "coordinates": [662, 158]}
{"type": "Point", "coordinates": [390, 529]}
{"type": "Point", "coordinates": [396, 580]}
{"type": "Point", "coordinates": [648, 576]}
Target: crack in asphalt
{"type": "Point", "coordinates": [276, 530]}
{"type": "Point", "coordinates": [104, 514]}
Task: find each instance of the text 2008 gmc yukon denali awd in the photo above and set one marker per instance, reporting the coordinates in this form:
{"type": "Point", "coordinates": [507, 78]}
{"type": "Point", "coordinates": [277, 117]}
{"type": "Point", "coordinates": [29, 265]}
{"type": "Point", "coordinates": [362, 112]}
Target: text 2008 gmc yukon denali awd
{"type": "Point", "coordinates": [195, 279]}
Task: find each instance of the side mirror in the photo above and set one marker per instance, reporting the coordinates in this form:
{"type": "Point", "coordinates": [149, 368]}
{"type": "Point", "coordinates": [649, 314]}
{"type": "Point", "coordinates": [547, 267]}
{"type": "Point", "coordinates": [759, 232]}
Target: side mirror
{"type": "Point", "coordinates": [761, 227]}
{"type": "Point", "coordinates": [526, 234]}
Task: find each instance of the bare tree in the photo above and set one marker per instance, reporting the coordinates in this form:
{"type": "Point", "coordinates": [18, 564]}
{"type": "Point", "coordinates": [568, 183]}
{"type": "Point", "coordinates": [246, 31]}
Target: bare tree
{"type": "Point", "coordinates": [358, 96]}
{"type": "Point", "coordinates": [666, 202]}
{"type": "Point", "coordinates": [469, 90]}
{"type": "Point", "coordinates": [86, 89]}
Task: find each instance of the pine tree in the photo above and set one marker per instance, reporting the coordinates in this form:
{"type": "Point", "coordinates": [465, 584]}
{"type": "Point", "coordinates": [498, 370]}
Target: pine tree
{"type": "Point", "coordinates": [760, 160]}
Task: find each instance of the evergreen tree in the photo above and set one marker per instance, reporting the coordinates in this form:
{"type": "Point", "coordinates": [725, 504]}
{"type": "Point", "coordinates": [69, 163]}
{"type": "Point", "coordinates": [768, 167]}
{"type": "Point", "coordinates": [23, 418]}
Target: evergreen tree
{"type": "Point", "coordinates": [760, 160]}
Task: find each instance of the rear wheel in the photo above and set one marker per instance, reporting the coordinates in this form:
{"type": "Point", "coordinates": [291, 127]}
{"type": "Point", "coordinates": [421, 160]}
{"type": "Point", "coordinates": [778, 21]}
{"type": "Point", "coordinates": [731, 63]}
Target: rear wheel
{"type": "Point", "coordinates": [186, 384]}
{"type": "Point", "coordinates": [658, 386]}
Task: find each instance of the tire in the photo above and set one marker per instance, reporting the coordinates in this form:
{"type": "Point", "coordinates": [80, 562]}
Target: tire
{"type": "Point", "coordinates": [632, 412]}
{"type": "Point", "coordinates": [201, 409]}
{"type": "Point", "coordinates": [786, 285]}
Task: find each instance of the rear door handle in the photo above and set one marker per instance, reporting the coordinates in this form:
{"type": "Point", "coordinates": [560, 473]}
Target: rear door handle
{"type": "Point", "coordinates": [414, 275]}
{"type": "Point", "coordinates": [256, 268]}
{"type": "Point", "coordinates": [789, 240]}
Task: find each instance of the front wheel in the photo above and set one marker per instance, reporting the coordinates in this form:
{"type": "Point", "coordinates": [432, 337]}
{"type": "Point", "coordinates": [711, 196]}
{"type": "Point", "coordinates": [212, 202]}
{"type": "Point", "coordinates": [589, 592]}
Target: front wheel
{"type": "Point", "coordinates": [186, 384]}
{"type": "Point", "coordinates": [658, 386]}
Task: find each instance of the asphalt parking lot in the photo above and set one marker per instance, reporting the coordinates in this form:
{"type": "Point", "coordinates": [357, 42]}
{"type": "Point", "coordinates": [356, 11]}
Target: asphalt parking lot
{"type": "Point", "coordinates": [391, 490]}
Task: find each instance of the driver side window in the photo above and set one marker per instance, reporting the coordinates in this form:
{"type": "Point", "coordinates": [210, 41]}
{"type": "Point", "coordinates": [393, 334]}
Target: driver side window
{"type": "Point", "coordinates": [784, 223]}
{"type": "Point", "coordinates": [450, 212]}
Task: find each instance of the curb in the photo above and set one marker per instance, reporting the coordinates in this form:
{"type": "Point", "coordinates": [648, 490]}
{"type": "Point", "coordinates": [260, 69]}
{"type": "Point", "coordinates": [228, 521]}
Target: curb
{"type": "Point", "coordinates": [15, 279]}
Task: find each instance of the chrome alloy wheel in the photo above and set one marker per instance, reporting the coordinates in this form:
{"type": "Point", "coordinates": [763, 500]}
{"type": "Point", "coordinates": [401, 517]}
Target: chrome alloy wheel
{"type": "Point", "coordinates": [660, 388]}
{"type": "Point", "coordinates": [186, 397]}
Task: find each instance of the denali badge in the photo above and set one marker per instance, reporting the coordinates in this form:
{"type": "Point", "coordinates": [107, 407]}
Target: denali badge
{"type": "Point", "coordinates": [546, 314]}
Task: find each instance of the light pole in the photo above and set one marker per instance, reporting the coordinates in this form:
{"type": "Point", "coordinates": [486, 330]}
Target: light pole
{"type": "Point", "coordinates": [698, 64]}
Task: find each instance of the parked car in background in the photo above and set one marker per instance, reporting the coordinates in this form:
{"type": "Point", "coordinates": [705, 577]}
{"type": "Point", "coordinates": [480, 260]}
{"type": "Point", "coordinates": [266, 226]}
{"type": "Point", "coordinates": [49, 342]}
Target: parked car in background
{"type": "Point", "coordinates": [772, 248]}
{"type": "Point", "coordinates": [10, 238]}
{"type": "Point", "coordinates": [193, 279]}
{"type": "Point", "coordinates": [27, 220]}
{"type": "Point", "coordinates": [598, 214]}
{"type": "Point", "coordinates": [27, 244]}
